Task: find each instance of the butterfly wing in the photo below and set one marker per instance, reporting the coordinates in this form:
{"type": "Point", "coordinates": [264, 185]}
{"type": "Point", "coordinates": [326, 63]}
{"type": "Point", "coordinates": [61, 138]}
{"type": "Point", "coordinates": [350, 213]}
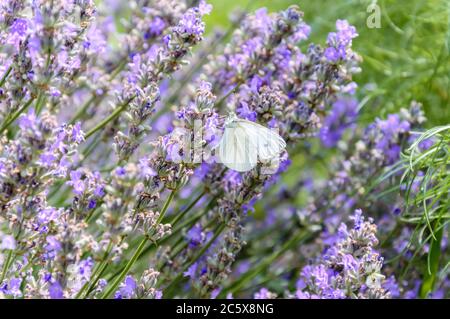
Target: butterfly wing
{"type": "Point", "coordinates": [267, 143]}
{"type": "Point", "coordinates": [236, 150]}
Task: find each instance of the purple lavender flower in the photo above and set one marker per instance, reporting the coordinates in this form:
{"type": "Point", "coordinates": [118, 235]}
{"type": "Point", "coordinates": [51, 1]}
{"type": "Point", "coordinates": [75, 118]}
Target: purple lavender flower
{"type": "Point", "coordinates": [55, 291]}
{"type": "Point", "coordinates": [342, 116]}
{"type": "Point", "coordinates": [195, 236]}
{"type": "Point", "coordinates": [191, 271]}
{"type": "Point", "coordinates": [77, 133]}
{"type": "Point", "coordinates": [190, 27]}
{"type": "Point", "coordinates": [391, 127]}
{"type": "Point", "coordinates": [77, 183]}
{"type": "Point", "coordinates": [19, 27]}
{"type": "Point", "coordinates": [8, 242]}
{"type": "Point", "coordinates": [264, 293]}
{"type": "Point", "coordinates": [344, 272]}
{"type": "Point", "coordinates": [13, 287]}
{"type": "Point", "coordinates": [204, 7]}
{"type": "Point", "coordinates": [127, 289]}
{"type": "Point", "coordinates": [156, 27]}
{"type": "Point", "coordinates": [338, 42]}
{"type": "Point", "coordinates": [53, 246]}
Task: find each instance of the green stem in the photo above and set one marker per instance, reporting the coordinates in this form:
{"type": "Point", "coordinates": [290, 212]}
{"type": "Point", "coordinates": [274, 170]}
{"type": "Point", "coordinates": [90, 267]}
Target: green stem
{"type": "Point", "coordinates": [96, 274]}
{"type": "Point", "coordinates": [118, 69]}
{"type": "Point", "coordinates": [94, 97]}
{"type": "Point", "coordinates": [179, 277]}
{"type": "Point", "coordinates": [185, 243]}
{"type": "Point", "coordinates": [175, 231]}
{"type": "Point", "coordinates": [187, 209]}
{"type": "Point", "coordinates": [83, 109]}
{"type": "Point", "coordinates": [110, 118]}
{"type": "Point", "coordinates": [165, 207]}
{"type": "Point", "coordinates": [101, 270]}
{"type": "Point", "coordinates": [6, 265]}
{"type": "Point", "coordinates": [16, 115]}
{"type": "Point", "coordinates": [89, 149]}
{"type": "Point", "coordinates": [298, 238]}
{"type": "Point", "coordinates": [125, 271]}
{"type": "Point", "coordinates": [232, 91]}
{"type": "Point", "coordinates": [434, 254]}
{"type": "Point", "coordinates": [39, 103]}
{"type": "Point", "coordinates": [138, 251]}
{"type": "Point", "coordinates": [193, 219]}
{"type": "Point", "coordinates": [5, 76]}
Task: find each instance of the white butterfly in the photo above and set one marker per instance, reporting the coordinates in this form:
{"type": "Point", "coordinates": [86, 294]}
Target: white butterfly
{"type": "Point", "coordinates": [244, 143]}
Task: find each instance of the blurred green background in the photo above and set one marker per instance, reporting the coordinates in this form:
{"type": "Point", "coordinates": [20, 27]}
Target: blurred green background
{"type": "Point", "coordinates": [407, 59]}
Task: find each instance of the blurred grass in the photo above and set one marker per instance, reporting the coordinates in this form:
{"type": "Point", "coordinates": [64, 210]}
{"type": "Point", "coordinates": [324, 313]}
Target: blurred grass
{"type": "Point", "coordinates": [407, 59]}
